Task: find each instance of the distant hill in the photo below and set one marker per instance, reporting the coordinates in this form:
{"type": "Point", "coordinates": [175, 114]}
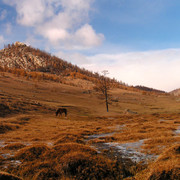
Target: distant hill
{"type": "Point", "coordinates": [175, 92]}
{"type": "Point", "coordinates": [144, 88]}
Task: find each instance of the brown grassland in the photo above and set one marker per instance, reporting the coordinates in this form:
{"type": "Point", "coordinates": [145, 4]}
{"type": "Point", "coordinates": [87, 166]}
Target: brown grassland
{"type": "Point", "coordinates": [35, 144]}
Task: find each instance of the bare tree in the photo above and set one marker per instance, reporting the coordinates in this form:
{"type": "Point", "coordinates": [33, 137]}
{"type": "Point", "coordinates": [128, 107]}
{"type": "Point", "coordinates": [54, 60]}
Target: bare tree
{"type": "Point", "coordinates": [103, 85]}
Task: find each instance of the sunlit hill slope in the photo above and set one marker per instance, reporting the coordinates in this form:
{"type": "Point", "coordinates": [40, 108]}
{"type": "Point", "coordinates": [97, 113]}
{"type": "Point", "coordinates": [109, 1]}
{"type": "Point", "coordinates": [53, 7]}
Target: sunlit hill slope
{"type": "Point", "coordinates": [138, 134]}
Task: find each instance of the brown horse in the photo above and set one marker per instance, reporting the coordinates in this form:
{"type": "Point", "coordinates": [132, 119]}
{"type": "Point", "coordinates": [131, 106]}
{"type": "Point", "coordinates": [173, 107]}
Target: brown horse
{"type": "Point", "coordinates": [61, 111]}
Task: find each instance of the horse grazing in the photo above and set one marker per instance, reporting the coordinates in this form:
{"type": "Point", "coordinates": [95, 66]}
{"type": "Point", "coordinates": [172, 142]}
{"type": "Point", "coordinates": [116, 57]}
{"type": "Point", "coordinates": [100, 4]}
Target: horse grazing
{"type": "Point", "coordinates": [61, 111]}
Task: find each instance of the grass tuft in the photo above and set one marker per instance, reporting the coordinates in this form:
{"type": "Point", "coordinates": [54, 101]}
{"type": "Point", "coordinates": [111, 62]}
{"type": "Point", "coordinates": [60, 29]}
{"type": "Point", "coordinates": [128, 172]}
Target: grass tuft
{"type": "Point", "coordinates": [14, 146]}
{"type": "Point", "coordinates": [31, 153]}
{"type": "Point", "coordinates": [168, 165]}
{"type": "Point", "coordinates": [7, 176]}
{"type": "Point", "coordinates": [5, 127]}
{"type": "Point", "coordinates": [68, 138]}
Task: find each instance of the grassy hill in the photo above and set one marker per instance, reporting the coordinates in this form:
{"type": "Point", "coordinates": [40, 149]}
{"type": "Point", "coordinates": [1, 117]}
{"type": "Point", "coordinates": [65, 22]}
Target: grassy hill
{"type": "Point", "coordinates": [140, 126]}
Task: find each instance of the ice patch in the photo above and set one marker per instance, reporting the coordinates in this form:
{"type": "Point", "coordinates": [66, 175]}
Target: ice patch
{"type": "Point", "coordinates": [2, 144]}
{"type": "Point", "coordinates": [13, 163]}
{"type": "Point", "coordinates": [7, 155]}
{"type": "Point", "coordinates": [125, 150]}
{"type": "Point", "coordinates": [131, 150]}
{"type": "Point", "coordinates": [177, 131]}
{"type": "Point", "coordinates": [94, 136]}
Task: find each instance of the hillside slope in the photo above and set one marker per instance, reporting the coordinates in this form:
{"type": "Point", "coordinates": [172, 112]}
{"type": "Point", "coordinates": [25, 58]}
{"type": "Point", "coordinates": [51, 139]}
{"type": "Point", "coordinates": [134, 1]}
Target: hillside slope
{"type": "Point", "coordinates": [175, 92]}
{"type": "Point", "coordinates": [37, 144]}
{"type": "Point", "coordinates": [28, 125]}
{"type": "Point", "coordinates": [22, 93]}
{"type": "Point", "coordinates": [19, 56]}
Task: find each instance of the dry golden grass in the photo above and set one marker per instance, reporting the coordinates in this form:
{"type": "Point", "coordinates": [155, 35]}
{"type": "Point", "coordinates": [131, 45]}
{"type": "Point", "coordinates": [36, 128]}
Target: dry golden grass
{"type": "Point", "coordinates": [69, 160]}
{"type": "Point", "coordinates": [57, 147]}
{"type": "Point", "coordinates": [4, 127]}
{"type": "Point", "coordinates": [69, 138]}
{"type": "Point", "coordinates": [7, 176]}
{"type": "Point", "coordinates": [14, 146]}
{"type": "Point", "coordinates": [166, 167]}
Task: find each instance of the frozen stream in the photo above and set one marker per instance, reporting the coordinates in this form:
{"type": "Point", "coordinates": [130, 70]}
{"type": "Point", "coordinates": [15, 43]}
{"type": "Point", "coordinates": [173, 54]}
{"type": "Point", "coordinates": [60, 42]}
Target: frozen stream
{"type": "Point", "coordinates": [123, 150]}
{"type": "Point", "coordinates": [132, 151]}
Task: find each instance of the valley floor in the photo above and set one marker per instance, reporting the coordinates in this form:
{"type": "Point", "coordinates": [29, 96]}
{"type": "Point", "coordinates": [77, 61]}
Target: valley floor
{"type": "Point", "coordinates": [89, 143]}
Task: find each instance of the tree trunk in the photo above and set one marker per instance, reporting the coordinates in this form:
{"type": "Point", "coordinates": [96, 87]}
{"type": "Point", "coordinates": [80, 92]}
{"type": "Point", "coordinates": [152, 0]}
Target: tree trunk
{"type": "Point", "coordinates": [106, 100]}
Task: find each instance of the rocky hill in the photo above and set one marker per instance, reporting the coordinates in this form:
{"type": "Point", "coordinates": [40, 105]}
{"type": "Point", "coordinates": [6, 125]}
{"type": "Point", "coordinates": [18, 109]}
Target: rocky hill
{"type": "Point", "coordinates": [21, 56]}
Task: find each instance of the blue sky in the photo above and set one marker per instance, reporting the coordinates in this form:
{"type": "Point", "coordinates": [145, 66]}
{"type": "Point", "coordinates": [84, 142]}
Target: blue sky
{"type": "Point", "coordinates": [137, 41]}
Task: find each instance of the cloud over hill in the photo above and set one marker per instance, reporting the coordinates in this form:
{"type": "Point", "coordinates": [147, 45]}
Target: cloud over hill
{"type": "Point", "coordinates": [63, 23]}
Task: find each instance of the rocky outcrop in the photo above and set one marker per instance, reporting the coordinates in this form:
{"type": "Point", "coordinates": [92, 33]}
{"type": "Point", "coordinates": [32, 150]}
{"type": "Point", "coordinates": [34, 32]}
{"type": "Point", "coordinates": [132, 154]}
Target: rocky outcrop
{"type": "Point", "coordinates": [20, 56]}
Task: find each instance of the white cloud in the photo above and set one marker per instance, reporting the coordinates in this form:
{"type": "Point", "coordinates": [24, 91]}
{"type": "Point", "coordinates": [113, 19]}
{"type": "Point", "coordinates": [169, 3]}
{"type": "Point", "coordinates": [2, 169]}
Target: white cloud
{"type": "Point", "coordinates": [156, 69]}
{"type": "Point", "coordinates": [54, 34]}
{"type": "Point", "coordinates": [31, 13]}
{"type": "Point", "coordinates": [8, 28]}
{"type": "Point", "coordinates": [2, 41]}
{"type": "Point", "coordinates": [75, 58]}
{"type": "Point", "coordinates": [65, 23]}
{"type": "Point", "coordinates": [88, 37]}
{"type": "Point", "coordinates": [3, 14]}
